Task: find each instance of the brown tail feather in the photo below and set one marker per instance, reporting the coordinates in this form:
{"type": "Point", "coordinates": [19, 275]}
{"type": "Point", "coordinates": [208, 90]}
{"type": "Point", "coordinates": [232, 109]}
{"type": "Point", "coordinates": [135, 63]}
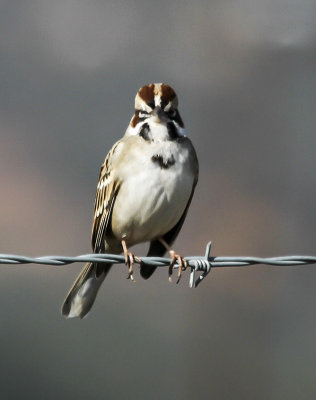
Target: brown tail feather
{"type": "Point", "coordinates": [82, 295]}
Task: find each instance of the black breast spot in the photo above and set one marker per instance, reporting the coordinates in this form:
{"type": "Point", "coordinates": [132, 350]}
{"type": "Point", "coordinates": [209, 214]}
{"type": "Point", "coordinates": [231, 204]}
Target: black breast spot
{"type": "Point", "coordinates": [164, 163]}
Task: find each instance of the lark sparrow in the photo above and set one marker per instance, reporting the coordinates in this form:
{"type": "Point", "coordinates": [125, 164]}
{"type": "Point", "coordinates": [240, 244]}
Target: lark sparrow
{"type": "Point", "coordinates": [144, 191]}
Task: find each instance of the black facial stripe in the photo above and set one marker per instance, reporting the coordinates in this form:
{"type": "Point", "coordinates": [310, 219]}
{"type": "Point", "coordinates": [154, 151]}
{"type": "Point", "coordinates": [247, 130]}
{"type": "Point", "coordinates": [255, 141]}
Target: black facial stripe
{"type": "Point", "coordinates": [151, 104]}
{"type": "Point", "coordinates": [164, 103]}
{"type": "Point", "coordinates": [172, 131]}
{"type": "Point", "coordinates": [164, 164]}
{"type": "Point", "coordinates": [178, 119]}
{"type": "Point", "coordinates": [144, 132]}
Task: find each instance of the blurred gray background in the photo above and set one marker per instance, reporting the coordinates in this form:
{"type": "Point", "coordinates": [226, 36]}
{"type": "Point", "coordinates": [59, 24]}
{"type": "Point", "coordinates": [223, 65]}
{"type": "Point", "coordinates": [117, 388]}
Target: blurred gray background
{"type": "Point", "coordinates": [244, 71]}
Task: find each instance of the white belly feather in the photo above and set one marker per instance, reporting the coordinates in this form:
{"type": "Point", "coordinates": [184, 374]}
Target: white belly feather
{"type": "Point", "coordinates": [151, 199]}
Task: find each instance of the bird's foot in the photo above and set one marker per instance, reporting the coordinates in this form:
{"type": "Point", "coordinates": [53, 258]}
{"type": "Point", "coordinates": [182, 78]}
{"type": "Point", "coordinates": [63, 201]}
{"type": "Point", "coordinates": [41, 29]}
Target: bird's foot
{"type": "Point", "coordinates": [175, 257]}
{"type": "Point", "coordinates": [130, 259]}
{"type": "Point", "coordinates": [182, 262]}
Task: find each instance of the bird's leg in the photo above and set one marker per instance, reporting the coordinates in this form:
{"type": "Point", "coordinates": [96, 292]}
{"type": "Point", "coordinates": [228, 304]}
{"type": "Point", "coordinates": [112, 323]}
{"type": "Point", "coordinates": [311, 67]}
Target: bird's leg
{"type": "Point", "coordinates": [175, 257]}
{"type": "Point", "coordinates": [130, 259]}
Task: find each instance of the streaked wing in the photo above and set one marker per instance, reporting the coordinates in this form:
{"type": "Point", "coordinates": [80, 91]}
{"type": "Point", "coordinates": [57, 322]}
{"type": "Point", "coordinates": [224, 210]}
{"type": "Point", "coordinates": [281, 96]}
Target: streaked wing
{"type": "Point", "coordinates": [107, 189]}
{"type": "Point", "coordinates": [83, 292]}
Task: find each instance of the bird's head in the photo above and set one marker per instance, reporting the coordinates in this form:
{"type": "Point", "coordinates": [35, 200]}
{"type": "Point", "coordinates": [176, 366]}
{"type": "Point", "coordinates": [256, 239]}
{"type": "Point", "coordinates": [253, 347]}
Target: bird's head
{"type": "Point", "coordinates": [156, 103]}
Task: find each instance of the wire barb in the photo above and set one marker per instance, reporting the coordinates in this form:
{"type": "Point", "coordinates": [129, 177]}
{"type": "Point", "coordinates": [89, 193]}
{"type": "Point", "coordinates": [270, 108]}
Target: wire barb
{"type": "Point", "coordinates": [196, 263]}
{"type": "Point", "coordinates": [201, 265]}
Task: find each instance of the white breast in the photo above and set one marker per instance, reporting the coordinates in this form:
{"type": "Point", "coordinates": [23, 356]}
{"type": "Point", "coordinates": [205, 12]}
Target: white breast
{"type": "Point", "coordinates": [151, 199]}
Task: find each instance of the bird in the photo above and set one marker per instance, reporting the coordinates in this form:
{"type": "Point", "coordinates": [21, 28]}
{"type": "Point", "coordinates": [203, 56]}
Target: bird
{"type": "Point", "coordinates": [145, 188]}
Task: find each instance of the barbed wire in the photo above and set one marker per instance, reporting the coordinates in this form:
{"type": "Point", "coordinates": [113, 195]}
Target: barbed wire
{"type": "Point", "coordinates": [202, 264]}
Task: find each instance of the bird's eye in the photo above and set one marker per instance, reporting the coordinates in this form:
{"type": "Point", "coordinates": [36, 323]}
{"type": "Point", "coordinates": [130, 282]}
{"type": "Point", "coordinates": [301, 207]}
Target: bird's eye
{"type": "Point", "coordinates": [143, 114]}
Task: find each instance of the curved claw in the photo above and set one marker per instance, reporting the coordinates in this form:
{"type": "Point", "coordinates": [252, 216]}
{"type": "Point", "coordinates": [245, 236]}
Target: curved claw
{"type": "Point", "coordinates": [182, 265]}
{"type": "Point", "coordinates": [130, 259]}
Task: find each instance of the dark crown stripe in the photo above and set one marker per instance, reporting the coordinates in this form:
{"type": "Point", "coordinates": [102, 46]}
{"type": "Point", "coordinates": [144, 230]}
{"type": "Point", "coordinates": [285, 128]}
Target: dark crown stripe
{"type": "Point", "coordinates": [167, 93]}
{"type": "Point", "coordinates": [147, 93]}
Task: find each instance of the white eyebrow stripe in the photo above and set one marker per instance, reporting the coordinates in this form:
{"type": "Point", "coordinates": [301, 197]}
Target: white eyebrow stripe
{"type": "Point", "coordinates": [145, 107]}
{"type": "Point", "coordinates": [168, 106]}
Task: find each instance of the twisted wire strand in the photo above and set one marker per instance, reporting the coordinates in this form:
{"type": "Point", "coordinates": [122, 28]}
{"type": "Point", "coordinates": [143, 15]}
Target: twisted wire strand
{"type": "Point", "coordinates": [196, 263]}
{"type": "Point", "coordinates": [158, 261]}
